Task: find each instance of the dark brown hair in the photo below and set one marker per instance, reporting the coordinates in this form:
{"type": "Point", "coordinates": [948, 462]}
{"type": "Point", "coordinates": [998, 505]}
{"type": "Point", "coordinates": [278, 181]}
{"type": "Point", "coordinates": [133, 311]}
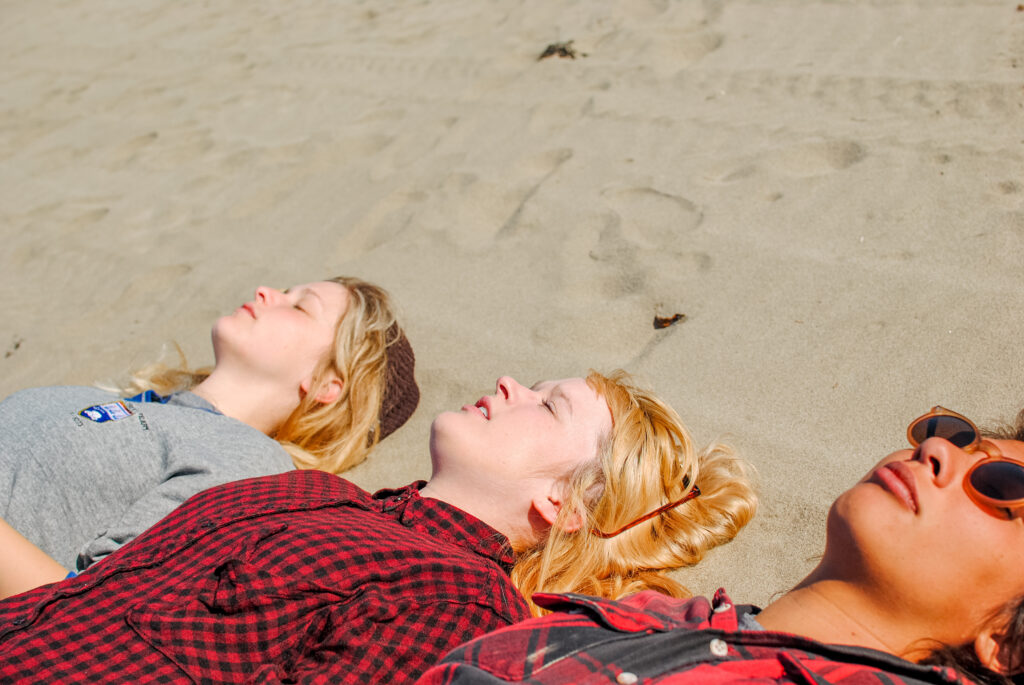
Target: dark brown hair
{"type": "Point", "coordinates": [962, 658]}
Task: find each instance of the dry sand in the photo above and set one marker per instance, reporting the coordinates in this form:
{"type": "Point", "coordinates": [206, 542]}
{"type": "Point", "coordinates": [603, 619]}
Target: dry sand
{"type": "Point", "coordinates": [832, 192]}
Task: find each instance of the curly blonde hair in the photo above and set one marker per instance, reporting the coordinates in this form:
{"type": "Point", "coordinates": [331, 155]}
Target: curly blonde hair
{"type": "Point", "coordinates": [331, 437]}
{"type": "Point", "coordinates": [648, 460]}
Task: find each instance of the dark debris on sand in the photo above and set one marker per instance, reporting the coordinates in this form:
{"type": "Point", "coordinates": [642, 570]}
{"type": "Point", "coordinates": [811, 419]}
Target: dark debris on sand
{"type": "Point", "coordinates": [564, 50]}
{"type": "Point", "coordinates": [666, 321]}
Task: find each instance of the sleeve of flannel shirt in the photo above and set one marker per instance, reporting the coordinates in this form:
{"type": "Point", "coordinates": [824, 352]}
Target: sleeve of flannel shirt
{"type": "Point", "coordinates": [396, 651]}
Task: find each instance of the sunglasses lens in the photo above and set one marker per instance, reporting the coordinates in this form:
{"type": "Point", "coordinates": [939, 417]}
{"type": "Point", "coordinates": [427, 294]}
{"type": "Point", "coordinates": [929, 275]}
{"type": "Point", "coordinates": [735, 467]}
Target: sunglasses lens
{"type": "Point", "coordinates": [1000, 480]}
{"type": "Point", "coordinates": [951, 428]}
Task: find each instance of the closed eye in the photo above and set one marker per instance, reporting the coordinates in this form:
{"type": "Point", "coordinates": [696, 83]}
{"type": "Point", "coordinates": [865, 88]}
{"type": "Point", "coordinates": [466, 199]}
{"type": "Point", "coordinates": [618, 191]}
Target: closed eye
{"type": "Point", "coordinates": [550, 406]}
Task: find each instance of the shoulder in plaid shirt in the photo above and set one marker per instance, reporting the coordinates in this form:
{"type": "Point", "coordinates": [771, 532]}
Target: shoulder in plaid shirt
{"type": "Point", "coordinates": [654, 639]}
{"type": "Point", "coordinates": [301, 577]}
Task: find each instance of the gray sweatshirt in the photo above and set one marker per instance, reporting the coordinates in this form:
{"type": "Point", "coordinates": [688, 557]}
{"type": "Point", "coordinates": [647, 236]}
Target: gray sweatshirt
{"type": "Point", "coordinates": [83, 472]}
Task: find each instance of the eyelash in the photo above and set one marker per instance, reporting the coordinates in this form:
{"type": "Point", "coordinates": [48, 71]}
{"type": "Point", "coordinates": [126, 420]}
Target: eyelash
{"type": "Point", "coordinates": [550, 406]}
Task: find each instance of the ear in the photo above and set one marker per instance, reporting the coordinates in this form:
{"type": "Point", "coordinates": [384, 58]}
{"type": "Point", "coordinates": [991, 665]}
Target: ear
{"type": "Point", "coordinates": [329, 391]}
{"type": "Point", "coordinates": [992, 650]}
{"type": "Point", "coordinates": [549, 507]}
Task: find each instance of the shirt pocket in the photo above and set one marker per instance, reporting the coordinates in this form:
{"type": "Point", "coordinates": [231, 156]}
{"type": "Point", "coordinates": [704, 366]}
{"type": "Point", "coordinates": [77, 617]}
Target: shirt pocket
{"type": "Point", "coordinates": [237, 623]}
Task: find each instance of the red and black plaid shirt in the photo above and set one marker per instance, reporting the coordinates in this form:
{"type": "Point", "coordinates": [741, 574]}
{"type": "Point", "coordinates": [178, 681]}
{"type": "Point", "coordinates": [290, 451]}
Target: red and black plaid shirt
{"type": "Point", "coordinates": [649, 638]}
{"type": "Point", "coordinates": [300, 577]}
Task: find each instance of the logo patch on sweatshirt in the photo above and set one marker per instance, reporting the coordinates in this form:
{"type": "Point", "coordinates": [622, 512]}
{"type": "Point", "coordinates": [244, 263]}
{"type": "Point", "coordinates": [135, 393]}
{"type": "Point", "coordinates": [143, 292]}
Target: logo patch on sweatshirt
{"type": "Point", "coordinates": [111, 411]}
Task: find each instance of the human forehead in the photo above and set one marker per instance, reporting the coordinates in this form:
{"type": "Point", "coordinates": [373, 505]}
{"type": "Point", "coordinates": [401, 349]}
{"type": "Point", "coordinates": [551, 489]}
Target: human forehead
{"type": "Point", "coordinates": [328, 292]}
{"type": "Point", "coordinates": [576, 391]}
{"type": "Point", "coordinates": [567, 386]}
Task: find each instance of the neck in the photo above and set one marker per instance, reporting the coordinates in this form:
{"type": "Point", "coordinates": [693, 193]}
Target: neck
{"type": "Point", "coordinates": [842, 612]}
{"type": "Point", "coordinates": [495, 511]}
{"type": "Point", "coordinates": [263, 408]}
{"type": "Point", "coordinates": [823, 612]}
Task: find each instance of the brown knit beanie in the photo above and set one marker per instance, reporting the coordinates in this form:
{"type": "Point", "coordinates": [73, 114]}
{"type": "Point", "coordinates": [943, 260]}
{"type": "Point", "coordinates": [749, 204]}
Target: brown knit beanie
{"type": "Point", "coordinates": [401, 394]}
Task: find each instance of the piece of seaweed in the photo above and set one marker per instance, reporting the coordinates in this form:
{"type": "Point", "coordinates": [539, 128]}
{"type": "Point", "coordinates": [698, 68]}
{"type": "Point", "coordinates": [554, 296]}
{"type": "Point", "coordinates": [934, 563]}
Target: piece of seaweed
{"type": "Point", "coordinates": [565, 50]}
{"type": "Point", "coordinates": [666, 321]}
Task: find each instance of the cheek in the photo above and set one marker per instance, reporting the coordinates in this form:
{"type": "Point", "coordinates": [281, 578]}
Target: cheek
{"type": "Point", "coordinates": [573, 450]}
{"type": "Point", "coordinates": [312, 357]}
{"type": "Point", "coordinates": [993, 548]}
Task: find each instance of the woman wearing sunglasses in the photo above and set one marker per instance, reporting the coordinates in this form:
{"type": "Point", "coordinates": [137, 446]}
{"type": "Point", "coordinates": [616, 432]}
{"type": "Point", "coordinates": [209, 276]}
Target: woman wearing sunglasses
{"type": "Point", "coordinates": [586, 485]}
{"type": "Point", "coordinates": [922, 581]}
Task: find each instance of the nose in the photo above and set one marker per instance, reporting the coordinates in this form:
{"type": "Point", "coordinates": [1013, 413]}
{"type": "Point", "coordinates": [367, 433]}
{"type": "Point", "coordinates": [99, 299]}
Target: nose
{"type": "Point", "coordinates": [265, 295]}
{"type": "Point", "coordinates": [947, 462]}
{"type": "Point", "coordinates": [509, 387]}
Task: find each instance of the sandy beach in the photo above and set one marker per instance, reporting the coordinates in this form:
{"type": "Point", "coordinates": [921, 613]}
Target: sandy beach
{"type": "Point", "coordinates": [832, 193]}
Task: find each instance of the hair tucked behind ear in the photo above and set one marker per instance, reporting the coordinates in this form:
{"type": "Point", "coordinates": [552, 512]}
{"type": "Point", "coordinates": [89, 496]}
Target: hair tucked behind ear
{"type": "Point", "coordinates": [964, 659]}
{"type": "Point", "coordinates": [647, 461]}
{"type": "Point", "coordinates": [330, 437]}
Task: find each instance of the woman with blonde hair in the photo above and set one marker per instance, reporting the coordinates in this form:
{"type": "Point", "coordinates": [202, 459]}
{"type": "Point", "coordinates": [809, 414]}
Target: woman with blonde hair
{"type": "Point", "coordinates": [309, 378]}
{"type": "Point", "coordinates": [305, 577]}
{"type": "Point", "coordinates": [649, 502]}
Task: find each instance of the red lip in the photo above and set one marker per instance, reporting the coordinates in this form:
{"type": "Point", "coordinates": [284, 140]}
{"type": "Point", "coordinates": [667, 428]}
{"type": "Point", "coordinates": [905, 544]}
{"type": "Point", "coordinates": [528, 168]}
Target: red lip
{"type": "Point", "coordinates": [473, 408]}
{"type": "Point", "coordinates": [249, 308]}
{"type": "Point", "coordinates": [486, 403]}
{"type": "Point", "coordinates": [898, 478]}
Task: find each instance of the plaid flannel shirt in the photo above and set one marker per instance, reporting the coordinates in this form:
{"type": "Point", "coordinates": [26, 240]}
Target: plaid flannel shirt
{"type": "Point", "coordinates": [650, 638]}
{"type": "Point", "coordinates": [301, 577]}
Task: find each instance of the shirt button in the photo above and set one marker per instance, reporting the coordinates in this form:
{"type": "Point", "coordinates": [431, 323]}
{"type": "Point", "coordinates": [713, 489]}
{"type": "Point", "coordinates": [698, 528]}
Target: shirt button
{"type": "Point", "coordinates": [719, 648]}
{"type": "Point", "coordinates": [207, 525]}
{"type": "Point", "coordinates": [723, 607]}
{"type": "Point", "coordinates": [626, 678]}
{"type": "Point", "coordinates": [19, 621]}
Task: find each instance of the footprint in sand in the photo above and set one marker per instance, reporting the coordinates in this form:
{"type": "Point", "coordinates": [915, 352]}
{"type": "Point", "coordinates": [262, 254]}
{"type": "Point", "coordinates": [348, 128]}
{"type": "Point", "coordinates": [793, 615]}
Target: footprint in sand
{"type": "Point", "coordinates": [410, 146]}
{"type": "Point", "coordinates": [802, 160]}
{"type": "Point", "coordinates": [815, 159]}
{"type": "Point", "coordinates": [677, 53]}
{"type": "Point", "coordinates": [539, 169]}
{"type": "Point", "coordinates": [74, 213]}
{"type": "Point", "coordinates": [142, 289]}
{"type": "Point", "coordinates": [620, 269]}
{"type": "Point", "coordinates": [1010, 194]}
{"type": "Point", "coordinates": [127, 153]}
{"type": "Point", "coordinates": [653, 218]}
{"type": "Point", "coordinates": [385, 220]}
{"type": "Point", "coordinates": [726, 174]}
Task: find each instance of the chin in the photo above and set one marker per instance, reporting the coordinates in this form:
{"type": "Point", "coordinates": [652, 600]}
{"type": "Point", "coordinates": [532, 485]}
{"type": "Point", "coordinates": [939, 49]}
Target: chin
{"type": "Point", "coordinates": [436, 434]}
{"type": "Point", "coordinates": [447, 435]}
{"type": "Point", "coordinates": [221, 328]}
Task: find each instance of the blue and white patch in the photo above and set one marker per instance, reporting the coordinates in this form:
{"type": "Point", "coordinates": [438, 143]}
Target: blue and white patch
{"type": "Point", "coordinates": [111, 411]}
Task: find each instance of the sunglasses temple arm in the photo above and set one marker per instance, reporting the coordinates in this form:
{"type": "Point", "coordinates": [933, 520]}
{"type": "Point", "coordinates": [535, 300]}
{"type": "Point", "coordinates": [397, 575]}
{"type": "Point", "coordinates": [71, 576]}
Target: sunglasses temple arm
{"type": "Point", "coordinates": [694, 492]}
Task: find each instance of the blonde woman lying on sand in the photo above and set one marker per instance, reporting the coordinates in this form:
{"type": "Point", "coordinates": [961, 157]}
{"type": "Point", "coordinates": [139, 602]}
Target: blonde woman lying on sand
{"type": "Point", "coordinates": [586, 485]}
{"type": "Point", "coordinates": [308, 378]}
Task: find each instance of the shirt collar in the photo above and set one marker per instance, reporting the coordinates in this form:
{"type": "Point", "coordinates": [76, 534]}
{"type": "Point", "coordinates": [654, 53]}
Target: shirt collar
{"type": "Point", "coordinates": [445, 522]}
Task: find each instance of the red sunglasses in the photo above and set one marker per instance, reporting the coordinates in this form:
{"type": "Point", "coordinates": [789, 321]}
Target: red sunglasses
{"type": "Point", "coordinates": [694, 492]}
{"type": "Point", "coordinates": [996, 484]}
